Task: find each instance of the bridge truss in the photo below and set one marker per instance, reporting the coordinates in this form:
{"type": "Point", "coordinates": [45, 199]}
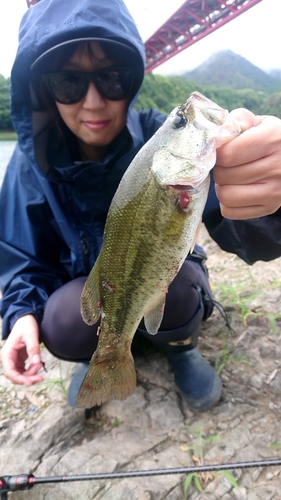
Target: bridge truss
{"type": "Point", "coordinates": [194, 20]}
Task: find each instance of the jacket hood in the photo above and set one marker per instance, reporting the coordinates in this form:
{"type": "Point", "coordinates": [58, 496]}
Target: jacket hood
{"type": "Point", "coordinates": [52, 23]}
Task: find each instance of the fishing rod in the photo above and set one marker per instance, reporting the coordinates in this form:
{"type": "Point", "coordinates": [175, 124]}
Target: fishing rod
{"type": "Point", "coordinates": [27, 481]}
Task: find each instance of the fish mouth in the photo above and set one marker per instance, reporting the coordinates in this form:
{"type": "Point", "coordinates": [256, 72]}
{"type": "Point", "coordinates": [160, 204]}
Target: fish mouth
{"type": "Point", "coordinates": [182, 187]}
{"type": "Point", "coordinates": [191, 184]}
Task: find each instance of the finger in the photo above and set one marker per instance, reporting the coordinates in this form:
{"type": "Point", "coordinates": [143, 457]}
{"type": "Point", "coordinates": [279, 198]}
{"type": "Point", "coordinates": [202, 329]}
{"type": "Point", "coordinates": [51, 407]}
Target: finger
{"type": "Point", "coordinates": [245, 117]}
{"type": "Point", "coordinates": [246, 195]}
{"type": "Point", "coordinates": [28, 381]}
{"type": "Point", "coordinates": [257, 142]}
{"type": "Point", "coordinates": [32, 369]}
{"type": "Point", "coordinates": [24, 378]}
{"type": "Point", "coordinates": [242, 149]}
{"type": "Point", "coordinates": [16, 371]}
{"type": "Point", "coordinates": [33, 348]}
{"type": "Point", "coordinates": [248, 201]}
{"type": "Point", "coordinates": [263, 169]}
{"type": "Point", "coordinates": [7, 359]}
{"type": "Point", "coordinates": [243, 213]}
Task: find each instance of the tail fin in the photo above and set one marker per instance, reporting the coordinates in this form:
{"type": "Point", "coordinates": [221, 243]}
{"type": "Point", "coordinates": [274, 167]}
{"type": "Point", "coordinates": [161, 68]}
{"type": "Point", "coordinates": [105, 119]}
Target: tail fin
{"type": "Point", "coordinates": [106, 380]}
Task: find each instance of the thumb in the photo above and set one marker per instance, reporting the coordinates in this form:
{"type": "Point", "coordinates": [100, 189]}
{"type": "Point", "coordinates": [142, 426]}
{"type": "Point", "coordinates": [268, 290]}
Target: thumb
{"type": "Point", "coordinates": [246, 118]}
{"type": "Point", "coordinates": [32, 342]}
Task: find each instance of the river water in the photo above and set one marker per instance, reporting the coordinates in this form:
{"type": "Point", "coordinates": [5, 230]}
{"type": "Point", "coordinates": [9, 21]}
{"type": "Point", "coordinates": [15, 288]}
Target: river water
{"type": "Point", "coordinates": [6, 151]}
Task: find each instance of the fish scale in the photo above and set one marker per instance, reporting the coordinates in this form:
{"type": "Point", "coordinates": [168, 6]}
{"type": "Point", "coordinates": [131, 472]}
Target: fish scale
{"type": "Point", "coordinates": [150, 229]}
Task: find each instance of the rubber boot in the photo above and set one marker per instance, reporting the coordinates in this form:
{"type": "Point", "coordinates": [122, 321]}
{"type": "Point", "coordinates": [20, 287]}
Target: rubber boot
{"type": "Point", "coordinates": [194, 376]}
{"type": "Point", "coordinates": [74, 387]}
{"type": "Point", "coordinates": [76, 383]}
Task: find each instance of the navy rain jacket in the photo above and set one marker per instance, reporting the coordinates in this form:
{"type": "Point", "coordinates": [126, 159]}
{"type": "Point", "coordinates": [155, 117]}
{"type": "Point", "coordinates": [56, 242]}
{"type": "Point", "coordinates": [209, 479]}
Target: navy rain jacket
{"type": "Point", "coordinates": [53, 209]}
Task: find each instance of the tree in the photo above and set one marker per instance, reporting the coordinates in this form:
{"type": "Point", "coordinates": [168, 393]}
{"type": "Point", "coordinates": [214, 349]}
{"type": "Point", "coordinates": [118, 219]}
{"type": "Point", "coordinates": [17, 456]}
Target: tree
{"type": "Point", "coordinates": [5, 117]}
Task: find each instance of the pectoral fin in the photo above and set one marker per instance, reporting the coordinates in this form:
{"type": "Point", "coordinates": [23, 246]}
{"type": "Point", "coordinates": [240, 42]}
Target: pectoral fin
{"type": "Point", "coordinates": [154, 316]}
{"type": "Point", "coordinates": [90, 298]}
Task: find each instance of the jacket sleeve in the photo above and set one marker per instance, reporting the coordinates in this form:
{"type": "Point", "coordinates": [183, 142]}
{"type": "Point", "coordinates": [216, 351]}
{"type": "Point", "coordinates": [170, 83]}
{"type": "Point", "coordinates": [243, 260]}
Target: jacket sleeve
{"type": "Point", "coordinates": [151, 121]}
{"type": "Point", "coordinates": [29, 247]}
{"type": "Point", "coordinates": [250, 239]}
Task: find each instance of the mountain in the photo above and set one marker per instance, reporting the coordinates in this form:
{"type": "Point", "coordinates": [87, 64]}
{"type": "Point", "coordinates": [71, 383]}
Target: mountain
{"type": "Point", "coordinates": [276, 73]}
{"type": "Point", "coordinates": [227, 69]}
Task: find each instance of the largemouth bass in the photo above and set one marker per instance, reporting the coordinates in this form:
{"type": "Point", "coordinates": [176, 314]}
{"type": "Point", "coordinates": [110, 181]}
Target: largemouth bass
{"type": "Point", "coordinates": [150, 229]}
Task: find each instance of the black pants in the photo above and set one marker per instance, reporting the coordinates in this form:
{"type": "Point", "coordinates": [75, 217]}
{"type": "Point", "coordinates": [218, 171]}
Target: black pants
{"type": "Point", "coordinates": [67, 337]}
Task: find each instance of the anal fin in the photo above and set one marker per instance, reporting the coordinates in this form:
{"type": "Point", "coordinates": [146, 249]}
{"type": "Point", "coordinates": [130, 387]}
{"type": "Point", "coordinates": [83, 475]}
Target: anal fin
{"type": "Point", "coordinates": [154, 316]}
{"type": "Point", "coordinates": [90, 298]}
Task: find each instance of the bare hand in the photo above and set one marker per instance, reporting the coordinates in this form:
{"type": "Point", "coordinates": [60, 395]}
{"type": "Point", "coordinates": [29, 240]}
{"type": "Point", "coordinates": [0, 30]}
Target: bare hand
{"type": "Point", "coordinates": [248, 169]}
{"type": "Point", "coordinates": [21, 345]}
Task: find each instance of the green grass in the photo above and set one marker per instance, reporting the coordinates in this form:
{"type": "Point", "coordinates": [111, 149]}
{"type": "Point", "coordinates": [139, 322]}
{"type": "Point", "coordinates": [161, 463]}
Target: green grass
{"type": "Point", "coordinates": [226, 355]}
{"type": "Point", "coordinates": [201, 479]}
{"type": "Point", "coordinates": [8, 135]}
{"type": "Point", "coordinates": [239, 294]}
{"type": "Point", "coordinates": [51, 383]}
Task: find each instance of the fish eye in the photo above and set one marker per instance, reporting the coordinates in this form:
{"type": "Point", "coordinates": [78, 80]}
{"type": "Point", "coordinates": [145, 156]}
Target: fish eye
{"type": "Point", "coordinates": [179, 121]}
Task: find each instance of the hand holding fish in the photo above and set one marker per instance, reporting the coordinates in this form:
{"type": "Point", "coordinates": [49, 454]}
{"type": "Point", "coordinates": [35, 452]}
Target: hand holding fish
{"type": "Point", "coordinates": [248, 169]}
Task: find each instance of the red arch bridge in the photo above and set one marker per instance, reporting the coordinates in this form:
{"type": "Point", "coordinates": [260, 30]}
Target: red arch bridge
{"type": "Point", "coordinates": [194, 20]}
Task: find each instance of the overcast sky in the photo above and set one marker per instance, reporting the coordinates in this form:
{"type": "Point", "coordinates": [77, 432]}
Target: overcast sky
{"type": "Point", "coordinates": [255, 35]}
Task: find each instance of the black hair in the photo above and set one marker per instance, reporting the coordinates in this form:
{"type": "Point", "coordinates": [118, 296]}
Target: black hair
{"type": "Point", "coordinates": [118, 54]}
{"type": "Point", "coordinates": [59, 59]}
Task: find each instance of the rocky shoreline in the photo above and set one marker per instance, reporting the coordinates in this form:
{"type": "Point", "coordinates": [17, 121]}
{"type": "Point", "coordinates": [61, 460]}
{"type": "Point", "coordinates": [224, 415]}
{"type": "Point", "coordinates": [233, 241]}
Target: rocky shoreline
{"type": "Point", "coordinates": [154, 428]}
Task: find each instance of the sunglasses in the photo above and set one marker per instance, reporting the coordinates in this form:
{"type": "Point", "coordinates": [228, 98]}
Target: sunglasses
{"type": "Point", "coordinates": [69, 87]}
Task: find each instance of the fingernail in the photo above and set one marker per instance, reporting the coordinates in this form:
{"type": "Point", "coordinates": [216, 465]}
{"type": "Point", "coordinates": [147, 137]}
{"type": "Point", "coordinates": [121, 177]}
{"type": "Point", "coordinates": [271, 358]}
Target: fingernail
{"type": "Point", "coordinates": [36, 359]}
